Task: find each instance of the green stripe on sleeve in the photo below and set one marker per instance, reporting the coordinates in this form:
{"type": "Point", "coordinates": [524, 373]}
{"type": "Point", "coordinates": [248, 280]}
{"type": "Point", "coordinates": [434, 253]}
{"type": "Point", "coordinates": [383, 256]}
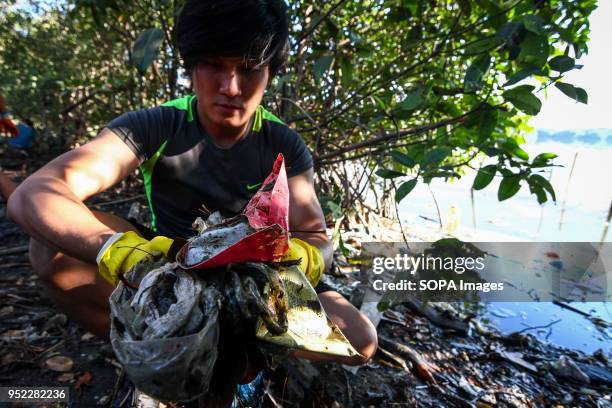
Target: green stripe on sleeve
{"type": "Point", "coordinates": [262, 114]}
{"type": "Point", "coordinates": [146, 168]}
{"type": "Point", "coordinates": [183, 103]}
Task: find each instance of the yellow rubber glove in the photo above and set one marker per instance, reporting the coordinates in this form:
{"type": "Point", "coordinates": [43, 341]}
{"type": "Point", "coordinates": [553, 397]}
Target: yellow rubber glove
{"type": "Point", "coordinates": [127, 250]}
{"type": "Point", "coordinates": [311, 259]}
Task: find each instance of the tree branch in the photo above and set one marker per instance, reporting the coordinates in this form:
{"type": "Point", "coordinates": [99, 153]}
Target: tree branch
{"type": "Point", "coordinates": [395, 135]}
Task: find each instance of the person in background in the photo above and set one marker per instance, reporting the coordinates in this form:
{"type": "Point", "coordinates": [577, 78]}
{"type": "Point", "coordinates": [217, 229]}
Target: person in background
{"type": "Point", "coordinates": [7, 127]}
{"type": "Point", "coordinates": [25, 136]}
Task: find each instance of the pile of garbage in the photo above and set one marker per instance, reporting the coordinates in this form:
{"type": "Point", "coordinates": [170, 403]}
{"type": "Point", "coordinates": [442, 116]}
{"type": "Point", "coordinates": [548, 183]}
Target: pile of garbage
{"type": "Point", "coordinates": [170, 319]}
{"type": "Point", "coordinates": [166, 332]}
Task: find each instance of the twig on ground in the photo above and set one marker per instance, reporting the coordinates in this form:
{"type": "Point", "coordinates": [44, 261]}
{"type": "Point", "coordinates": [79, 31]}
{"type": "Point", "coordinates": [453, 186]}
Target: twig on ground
{"type": "Point", "coordinates": [50, 349]}
{"type": "Point", "coordinates": [539, 327]}
{"type": "Point", "coordinates": [423, 368]}
{"type": "Point", "coordinates": [14, 250]}
{"type": "Point", "coordinates": [116, 387]}
{"type": "Point", "coordinates": [349, 397]}
{"type": "Point", "coordinates": [572, 308]}
{"type": "Point", "coordinates": [13, 265]}
{"type": "Point", "coordinates": [433, 316]}
{"type": "Point", "coordinates": [396, 359]}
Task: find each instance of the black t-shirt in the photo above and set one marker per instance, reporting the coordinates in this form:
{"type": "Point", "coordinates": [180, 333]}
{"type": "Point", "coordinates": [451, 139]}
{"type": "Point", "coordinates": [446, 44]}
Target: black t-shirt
{"type": "Point", "coordinates": [187, 176]}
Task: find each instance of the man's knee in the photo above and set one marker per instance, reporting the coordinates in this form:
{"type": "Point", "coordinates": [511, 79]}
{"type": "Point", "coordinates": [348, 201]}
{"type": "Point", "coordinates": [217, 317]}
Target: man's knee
{"type": "Point", "coordinates": [58, 271]}
{"type": "Point", "coordinates": [42, 260]}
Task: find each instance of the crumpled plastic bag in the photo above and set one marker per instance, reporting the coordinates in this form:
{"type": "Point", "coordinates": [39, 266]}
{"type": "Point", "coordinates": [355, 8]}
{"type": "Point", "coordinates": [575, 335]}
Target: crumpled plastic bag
{"type": "Point", "coordinates": [165, 333]}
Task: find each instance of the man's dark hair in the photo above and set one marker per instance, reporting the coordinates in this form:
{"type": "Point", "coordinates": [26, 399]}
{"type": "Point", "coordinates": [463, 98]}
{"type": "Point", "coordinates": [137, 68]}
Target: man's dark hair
{"type": "Point", "coordinates": [254, 29]}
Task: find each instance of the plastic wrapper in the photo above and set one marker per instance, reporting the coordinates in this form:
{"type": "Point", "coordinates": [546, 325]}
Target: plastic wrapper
{"type": "Point", "coordinates": [165, 333]}
{"type": "Point", "coordinates": [259, 234]}
{"type": "Point", "coordinates": [309, 328]}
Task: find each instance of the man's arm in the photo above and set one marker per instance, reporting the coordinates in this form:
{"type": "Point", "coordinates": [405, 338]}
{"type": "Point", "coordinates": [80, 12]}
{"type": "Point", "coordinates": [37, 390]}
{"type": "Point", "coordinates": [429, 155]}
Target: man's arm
{"type": "Point", "coordinates": [305, 214]}
{"type": "Point", "coordinates": [48, 205]}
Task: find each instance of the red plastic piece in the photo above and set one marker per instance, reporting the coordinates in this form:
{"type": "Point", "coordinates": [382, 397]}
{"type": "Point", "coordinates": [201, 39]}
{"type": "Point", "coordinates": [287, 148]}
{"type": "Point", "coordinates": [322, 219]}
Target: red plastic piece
{"type": "Point", "coordinates": [268, 213]}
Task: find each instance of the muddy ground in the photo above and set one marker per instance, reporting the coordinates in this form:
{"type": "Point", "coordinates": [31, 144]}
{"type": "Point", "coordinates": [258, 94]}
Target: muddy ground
{"type": "Point", "coordinates": [419, 363]}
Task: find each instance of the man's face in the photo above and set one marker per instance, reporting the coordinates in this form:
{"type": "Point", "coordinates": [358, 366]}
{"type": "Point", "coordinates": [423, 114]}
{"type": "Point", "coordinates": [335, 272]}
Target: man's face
{"type": "Point", "coordinates": [228, 90]}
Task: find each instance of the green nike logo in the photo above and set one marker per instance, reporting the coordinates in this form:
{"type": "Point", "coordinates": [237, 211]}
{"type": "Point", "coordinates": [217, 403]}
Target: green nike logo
{"type": "Point", "coordinates": [253, 186]}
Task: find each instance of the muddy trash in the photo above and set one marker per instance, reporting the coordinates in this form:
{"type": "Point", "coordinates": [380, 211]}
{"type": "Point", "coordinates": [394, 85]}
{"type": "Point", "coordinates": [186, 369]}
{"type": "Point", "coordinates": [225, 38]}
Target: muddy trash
{"type": "Point", "coordinates": [211, 241]}
{"type": "Point", "coordinates": [165, 333]}
{"type": "Point", "coordinates": [309, 327]}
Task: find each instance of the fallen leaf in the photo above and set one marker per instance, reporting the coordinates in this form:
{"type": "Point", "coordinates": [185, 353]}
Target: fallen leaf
{"type": "Point", "coordinates": [65, 377]}
{"type": "Point", "coordinates": [84, 379]}
{"type": "Point", "coordinates": [8, 359]}
{"type": "Point", "coordinates": [37, 349]}
{"type": "Point", "coordinates": [13, 335]}
{"type": "Point", "coordinates": [59, 363]}
{"type": "Point", "coordinates": [6, 310]}
{"type": "Point", "coordinates": [88, 336]}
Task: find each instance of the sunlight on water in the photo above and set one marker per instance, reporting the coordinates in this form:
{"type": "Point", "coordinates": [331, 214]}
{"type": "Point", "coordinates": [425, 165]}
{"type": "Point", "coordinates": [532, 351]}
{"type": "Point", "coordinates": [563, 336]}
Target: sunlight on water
{"type": "Point", "coordinates": [578, 215]}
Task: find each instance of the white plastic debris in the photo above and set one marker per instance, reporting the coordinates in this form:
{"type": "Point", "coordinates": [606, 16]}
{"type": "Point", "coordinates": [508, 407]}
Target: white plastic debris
{"type": "Point", "coordinates": [166, 333]}
{"type": "Point", "coordinates": [214, 239]}
{"type": "Point", "coordinates": [566, 367]}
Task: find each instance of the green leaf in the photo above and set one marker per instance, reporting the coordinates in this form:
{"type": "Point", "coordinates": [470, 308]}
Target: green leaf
{"type": "Point", "coordinates": [476, 72]}
{"type": "Point", "coordinates": [507, 31]}
{"type": "Point", "coordinates": [347, 73]}
{"type": "Point", "coordinates": [508, 187]}
{"type": "Point", "coordinates": [533, 23]}
{"type": "Point", "coordinates": [332, 27]}
{"type": "Point", "coordinates": [488, 123]}
{"type": "Point", "coordinates": [538, 191]}
{"type": "Point", "coordinates": [567, 89]}
{"type": "Point", "coordinates": [412, 100]}
{"type": "Point", "coordinates": [513, 148]}
{"type": "Point", "coordinates": [561, 63]}
{"type": "Point", "coordinates": [383, 305]}
{"type": "Point", "coordinates": [381, 104]}
{"type": "Point", "coordinates": [411, 5]}
{"type": "Point", "coordinates": [322, 65]}
{"type": "Point", "coordinates": [581, 95]}
{"type": "Point", "coordinates": [146, 48]}
{"type": "Point", "coordinates": [545, 156]}
{"type": "Point", "coordinates": [485, 121]}
{"type": "Point", "coordinates": [484, 177]}
{"type": "Point", "coordinates": [521, 89]}
{"type": "Point", "coordinates": [481, 46]}
{"type": "Point", "coordinates": [388, 173]}
{"type": "Point", "coordinates": [331, 207]}
{"type": "Point", "coordinates": [522, 98]}
{"type": "Point", "coordinates": [405, 189]}
{"type": "Point", "coordinates": [577, 94]}
{"type": "Point", "coordinates": [542, 160]}
{"type": "Point", "coordinates": [403, 159]}
{"type": "Point", "coordinates": [545, 184]}
{"type": "Point", "coordinates": [534, 50]}
{"type": "Point", "coordinates": [435, 155]}
{"type": "Point", "coordinates": [520, 75]}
